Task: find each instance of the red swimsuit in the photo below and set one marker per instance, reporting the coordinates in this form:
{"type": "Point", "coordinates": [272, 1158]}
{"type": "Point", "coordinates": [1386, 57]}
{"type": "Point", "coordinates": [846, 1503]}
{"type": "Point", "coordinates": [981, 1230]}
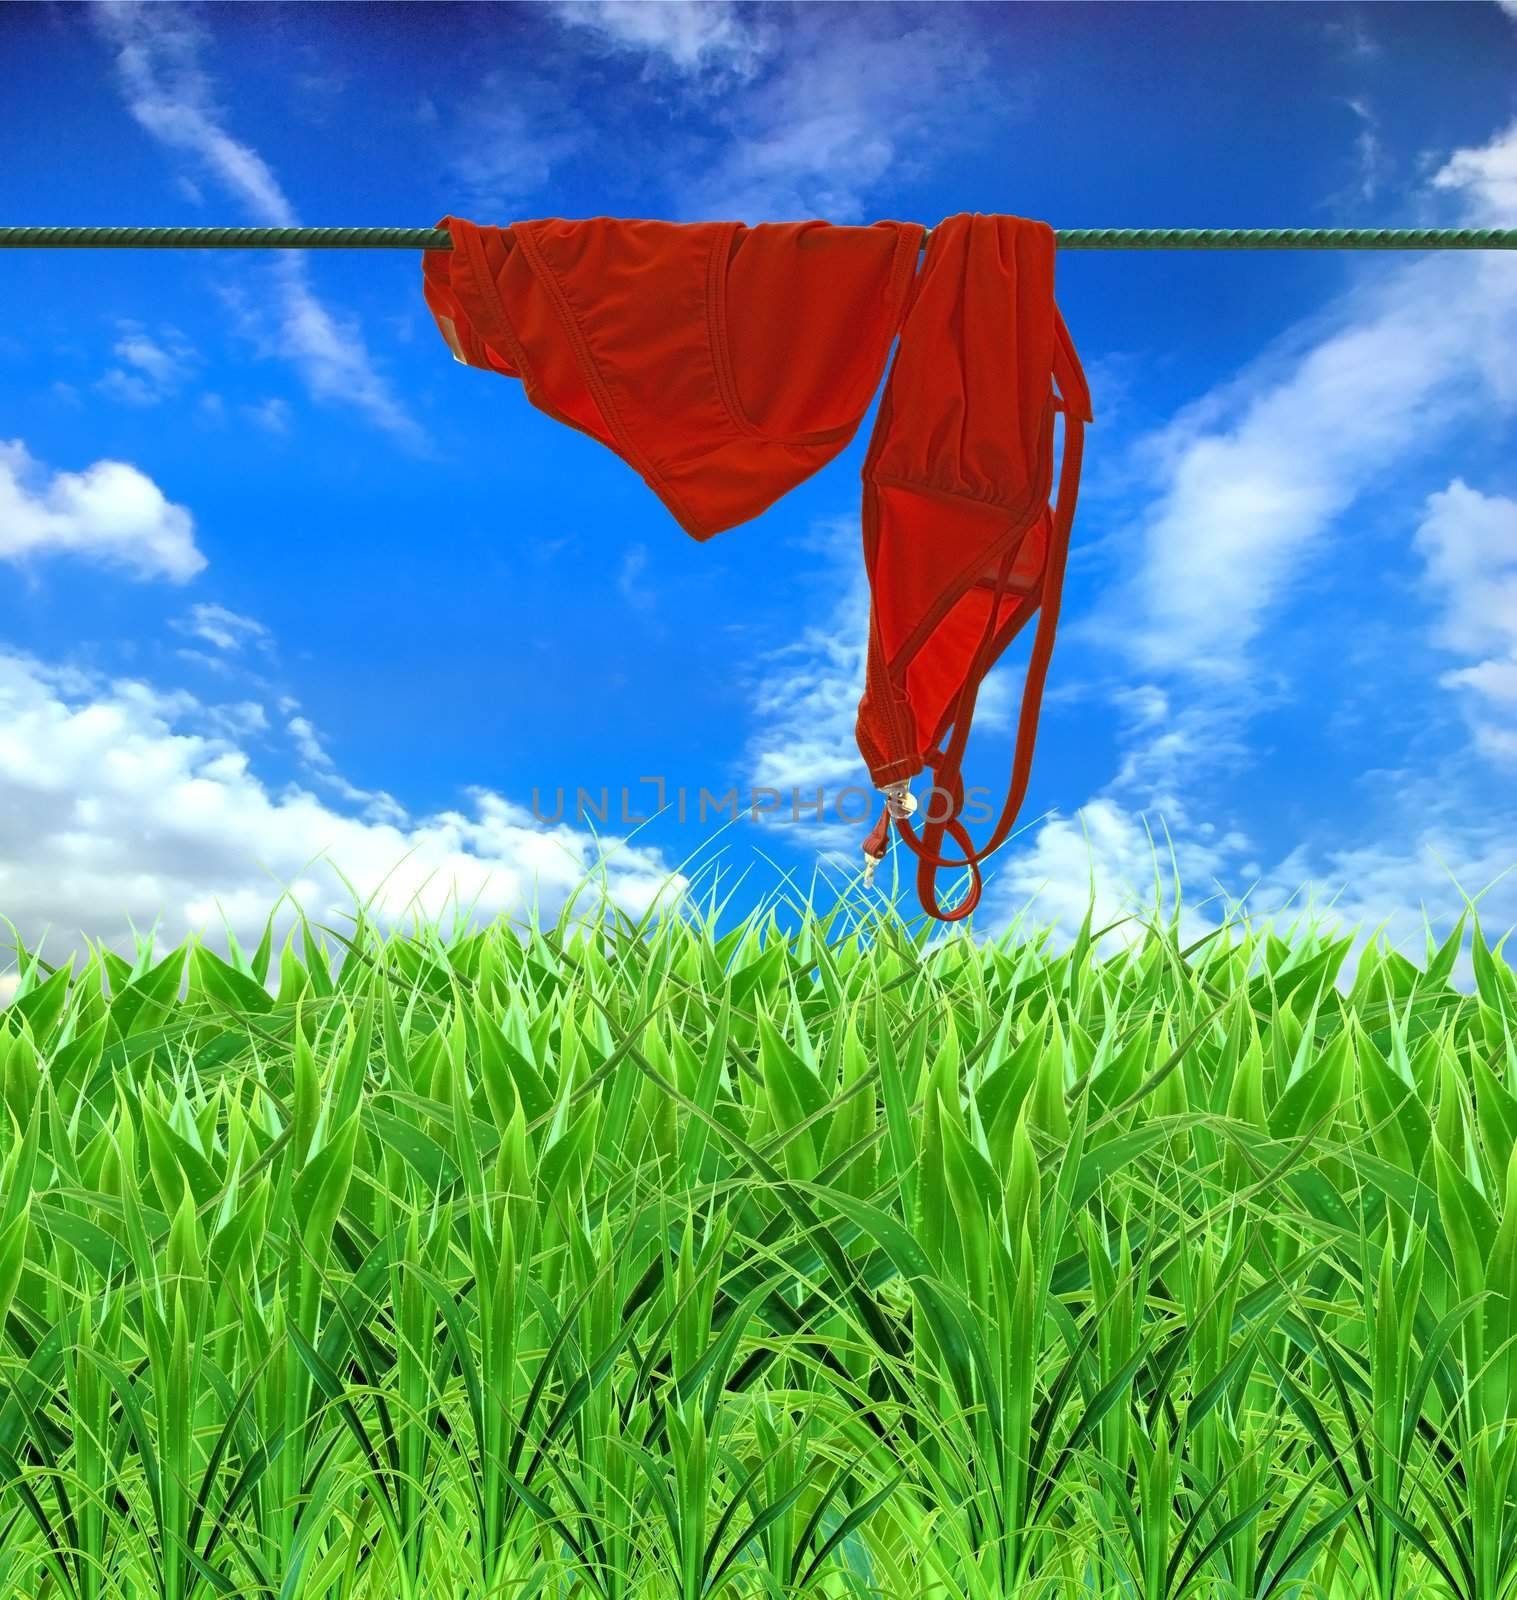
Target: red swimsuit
{"type": "Point", "coordinates": [727, 364]}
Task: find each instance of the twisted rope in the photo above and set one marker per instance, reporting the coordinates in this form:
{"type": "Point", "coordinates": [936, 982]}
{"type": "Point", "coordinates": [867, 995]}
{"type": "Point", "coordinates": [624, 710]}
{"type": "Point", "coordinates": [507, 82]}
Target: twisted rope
{"type": "Point", "coordinates": [1068, 238]}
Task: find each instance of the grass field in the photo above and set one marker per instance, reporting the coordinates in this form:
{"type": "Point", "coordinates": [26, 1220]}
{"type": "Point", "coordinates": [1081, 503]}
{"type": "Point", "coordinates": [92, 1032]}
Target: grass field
{"type": "Point", "coordinates": [633, 1261]}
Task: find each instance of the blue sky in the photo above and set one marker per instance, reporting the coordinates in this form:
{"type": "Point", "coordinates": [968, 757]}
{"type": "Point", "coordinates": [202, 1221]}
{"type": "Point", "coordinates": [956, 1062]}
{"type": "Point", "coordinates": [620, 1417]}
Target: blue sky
{"type": "Point", "coordinates": [286, 579]}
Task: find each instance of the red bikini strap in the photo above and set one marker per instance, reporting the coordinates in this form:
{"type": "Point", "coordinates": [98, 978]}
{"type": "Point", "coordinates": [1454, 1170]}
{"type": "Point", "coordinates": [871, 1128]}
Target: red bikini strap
{"type": "Point", "coordinates": [946, 763]}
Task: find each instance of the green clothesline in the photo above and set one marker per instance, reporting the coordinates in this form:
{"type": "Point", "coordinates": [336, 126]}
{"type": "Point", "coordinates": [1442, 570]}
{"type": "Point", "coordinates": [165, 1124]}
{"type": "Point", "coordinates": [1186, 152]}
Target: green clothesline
{"type": "Point", "coordinates": [1068, 238]}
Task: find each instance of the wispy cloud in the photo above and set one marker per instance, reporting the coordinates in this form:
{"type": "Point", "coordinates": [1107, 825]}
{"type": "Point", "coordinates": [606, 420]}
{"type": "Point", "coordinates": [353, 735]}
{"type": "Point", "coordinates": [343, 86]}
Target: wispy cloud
{"type": "Point", "coordinates": [1353, 38]}
{"type": "Point", "coordinates": [158, 50]}
{"type": "Point", "coordinates": [220, 627]}
{"type": "Point", "coordinates": [378, 804]}
{"type": "Point", "coordinates": [817, 115]}
{"type": "Point", "coordinates": [633, 562]}
{"type": "Point", "coordinates": [696, 37]}
{"type": "Point", "coordinates": [152, 369]}
{"type": "Point", "coordinates": [272, 415]}
{"type": "Point", "coordinates": [1370, 149]}
{"type": "Point", "coordinates": [501, 141]}
{"type": "Point", "coordinates": [1250, 479]}
{"type": "Point", "coordinates": [856, 100]}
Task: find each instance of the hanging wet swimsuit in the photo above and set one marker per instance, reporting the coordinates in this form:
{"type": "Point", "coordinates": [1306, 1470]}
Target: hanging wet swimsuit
{"type": "Point", "coordinates": [726, 364]}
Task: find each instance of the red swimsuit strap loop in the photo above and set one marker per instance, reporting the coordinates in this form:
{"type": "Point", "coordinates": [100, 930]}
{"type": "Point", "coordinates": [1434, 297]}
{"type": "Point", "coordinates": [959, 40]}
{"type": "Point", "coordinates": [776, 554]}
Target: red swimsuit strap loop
{"type": "Point", "coordinates": [948, 778]}
{"type": "Point", "coordinates": [945, 763]}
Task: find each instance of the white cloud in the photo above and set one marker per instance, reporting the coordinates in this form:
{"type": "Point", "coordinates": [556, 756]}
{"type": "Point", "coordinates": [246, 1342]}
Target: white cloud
{"type": "Point", "coordinates": [1166, 756]}
{"type": "Point", "coordinates": [158, 371]}
{"type": "Point", "coordinates": [1353, 37]}
{"type": "Point", "coordinates": [157, 60]}
{"type": "Point", "coordinates": [115, 809]}
{"type": "Point", "coordinates": [240, 718]}
{"type": "Point", "coordinates": [694, 36]}
{"type": "Point", "coordinates": [818, 114]}
{"type": "Point", "coordinates": [633, 562]}
{"type": "Point", "coordinates": [142, 352]}
{"type": "Point", "coordinates": [1047, 880]}
{"type": "Point", "coordinates": [1145, 702]}
{"type": "Point", "coordinates": [850, 109]}
{"type": "Point", "coordinates": [1250, 478]}
{"type": "Point", "coordinates": [1395, 890]}
{"type": "Point", "coordinates": [1371, 152]}
{"type": "Point", "coordinates": [220, 627]}
{"type": "Point", "coordinates": [379, 805]}
{"type": "Point", "coordinates": [1469, 541]}
{"type": "Point", "coordinates": [128, 388]}
{"type": "Point", "coordinates": [504, 137]}
{"type": "Point", "coordinates": [273, 415]}
{"type": "Point", "coordinates": [110, 512]}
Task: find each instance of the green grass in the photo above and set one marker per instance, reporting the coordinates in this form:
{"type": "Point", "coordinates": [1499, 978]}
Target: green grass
{"type": "Point", "coordinates": [639, 1263]}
